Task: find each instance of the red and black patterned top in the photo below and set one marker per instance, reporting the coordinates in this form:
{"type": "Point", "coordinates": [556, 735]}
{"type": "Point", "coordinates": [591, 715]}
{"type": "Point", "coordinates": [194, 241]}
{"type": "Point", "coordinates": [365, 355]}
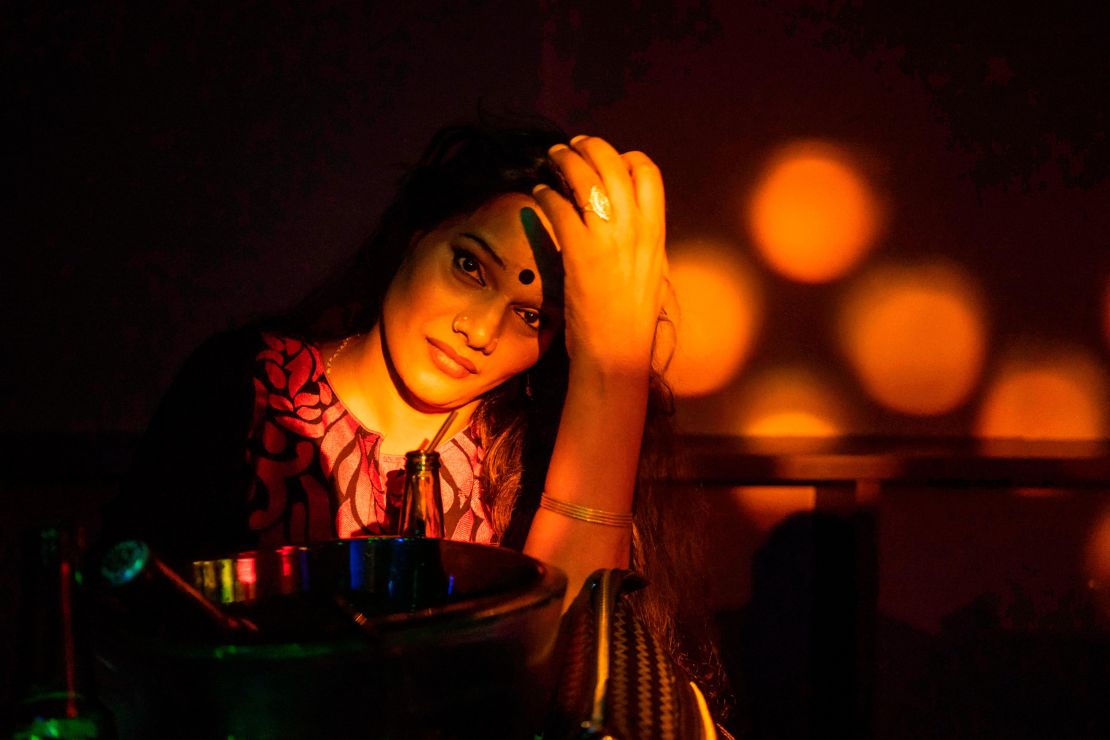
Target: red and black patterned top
{"type": "Point", "coordinates": [251, 448]}
{"type": "Point", "coordinates": [319, 474]}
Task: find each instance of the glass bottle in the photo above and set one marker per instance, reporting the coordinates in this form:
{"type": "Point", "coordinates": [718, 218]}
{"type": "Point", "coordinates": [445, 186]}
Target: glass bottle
{"type": "Point", "coordinates": [421, 506]}
{"type": "Point", "coordinates": [55, 671]}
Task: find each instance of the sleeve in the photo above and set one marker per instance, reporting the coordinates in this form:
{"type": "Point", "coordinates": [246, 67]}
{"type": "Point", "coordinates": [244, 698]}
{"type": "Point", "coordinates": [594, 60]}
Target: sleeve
{"type": "Point", "coordinates": [186, 490]}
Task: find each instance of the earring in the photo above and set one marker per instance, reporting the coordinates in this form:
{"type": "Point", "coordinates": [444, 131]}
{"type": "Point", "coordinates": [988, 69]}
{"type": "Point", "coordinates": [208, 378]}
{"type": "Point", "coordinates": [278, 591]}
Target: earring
{"type": "Point", "coordinates": [528, 386]}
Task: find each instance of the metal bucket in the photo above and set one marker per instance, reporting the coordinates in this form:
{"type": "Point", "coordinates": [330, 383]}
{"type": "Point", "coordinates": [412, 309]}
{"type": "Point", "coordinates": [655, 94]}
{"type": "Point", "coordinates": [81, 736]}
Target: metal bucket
{"type": "Point", "coordinates": [376, 637]}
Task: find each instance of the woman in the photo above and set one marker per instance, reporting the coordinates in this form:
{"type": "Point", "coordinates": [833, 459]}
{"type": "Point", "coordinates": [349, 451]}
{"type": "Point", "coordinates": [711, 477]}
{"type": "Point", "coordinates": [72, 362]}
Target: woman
{"type": "Point", "coordinates": [517, 280]}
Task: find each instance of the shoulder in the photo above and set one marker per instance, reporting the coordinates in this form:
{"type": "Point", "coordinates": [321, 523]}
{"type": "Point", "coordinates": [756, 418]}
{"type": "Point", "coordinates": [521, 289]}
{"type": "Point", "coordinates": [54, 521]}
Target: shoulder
{"type": "Point", "coordinates": [286, 362]}
{"type": "Point", "coordinates": [284, 348]}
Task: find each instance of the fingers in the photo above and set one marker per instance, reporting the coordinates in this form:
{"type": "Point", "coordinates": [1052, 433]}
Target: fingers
{"type": "Point", "coordinates": [566, 224]}
{"type": "Point", "coordinates": [611, 168]}
{"type": "Point", "coordinates": [647, 186]}
{"type": "Point", "coordinates": [581, 177]}
{"type": "Point", "coordinates": [591, 162]}
{"type": "Point", "coordinates": [633, 185]}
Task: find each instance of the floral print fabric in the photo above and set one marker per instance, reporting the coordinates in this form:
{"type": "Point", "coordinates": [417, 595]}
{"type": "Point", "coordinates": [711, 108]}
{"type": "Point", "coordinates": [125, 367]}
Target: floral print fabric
{"type": "Point", "coordinates": [318, 474]}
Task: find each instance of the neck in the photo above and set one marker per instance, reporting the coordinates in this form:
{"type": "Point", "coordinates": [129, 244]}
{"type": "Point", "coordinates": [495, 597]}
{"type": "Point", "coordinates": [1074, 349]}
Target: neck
{"type": "Point", "coordinates": [362, 378]}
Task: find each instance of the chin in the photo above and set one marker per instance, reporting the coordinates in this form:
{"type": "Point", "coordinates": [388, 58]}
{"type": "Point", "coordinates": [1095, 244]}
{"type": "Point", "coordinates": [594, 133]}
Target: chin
{"type": "Point", "coordinates": [437, 394]}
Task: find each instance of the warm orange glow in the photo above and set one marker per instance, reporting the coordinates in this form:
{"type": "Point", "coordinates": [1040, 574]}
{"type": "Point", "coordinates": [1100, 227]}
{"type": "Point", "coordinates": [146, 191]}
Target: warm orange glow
{"type": "Point", "coordinates": [791, 424]}
{"type": "Point", "coordinates": [716, 320]}
{"type": "Point", "coordinates": [789, 402]}
{"type": "Point", "coordinates": [915, 337]}
{"type": "Point", "coordinates": [766, 506]}
{"type": "Point", "coordinates": [812, 215]}
{"type": "Point", "coordinates": [1046, 393]}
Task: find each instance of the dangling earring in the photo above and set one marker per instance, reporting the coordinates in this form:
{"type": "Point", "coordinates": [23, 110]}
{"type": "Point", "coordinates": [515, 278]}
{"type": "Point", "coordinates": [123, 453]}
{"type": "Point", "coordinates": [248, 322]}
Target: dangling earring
{"type": "Point", "coordinates": [528, 386]}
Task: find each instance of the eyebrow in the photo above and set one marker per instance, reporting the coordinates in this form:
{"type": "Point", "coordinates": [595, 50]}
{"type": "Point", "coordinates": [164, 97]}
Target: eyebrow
{"type": "Point", "coordinates": [486, 247]}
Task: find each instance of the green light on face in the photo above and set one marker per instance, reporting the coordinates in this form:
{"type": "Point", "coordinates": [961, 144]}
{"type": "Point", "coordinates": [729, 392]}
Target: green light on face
{"type": "Point", "coordinates": [124, 561]}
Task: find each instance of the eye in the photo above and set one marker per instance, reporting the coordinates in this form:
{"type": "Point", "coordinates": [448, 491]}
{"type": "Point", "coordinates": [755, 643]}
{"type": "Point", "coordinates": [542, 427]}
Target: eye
{"type": "Point", "coordinates": [466, 262]}
{"type": "Point", "coordinates": [531, 317]}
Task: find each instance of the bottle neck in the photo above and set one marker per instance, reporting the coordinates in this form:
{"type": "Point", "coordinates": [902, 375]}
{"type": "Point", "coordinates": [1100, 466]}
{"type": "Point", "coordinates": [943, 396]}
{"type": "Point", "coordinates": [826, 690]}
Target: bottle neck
{"type": "Point", "coordinates": [419, 461]}
{"type": "Point", "coordinates": [422, 506]}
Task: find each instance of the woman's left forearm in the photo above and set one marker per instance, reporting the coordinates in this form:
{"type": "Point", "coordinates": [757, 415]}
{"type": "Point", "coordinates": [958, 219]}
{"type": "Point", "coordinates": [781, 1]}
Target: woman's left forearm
{"type": "Point", "coordinates": [593, 465]}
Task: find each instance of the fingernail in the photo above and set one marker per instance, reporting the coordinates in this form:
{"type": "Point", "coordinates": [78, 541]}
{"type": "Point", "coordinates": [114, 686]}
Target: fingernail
{"type": "Point", "coordinates": [538, 188]}
{"type": "Point", "coordinates": [578, 138]}
{"type": "Point", "coordinates": [557, 148]}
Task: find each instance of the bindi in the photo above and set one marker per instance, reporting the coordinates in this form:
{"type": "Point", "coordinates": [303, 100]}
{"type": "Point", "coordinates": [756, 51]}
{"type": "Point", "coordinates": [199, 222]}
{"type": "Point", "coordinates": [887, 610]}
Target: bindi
{"type": "Point", "coordinates": [526, 276]}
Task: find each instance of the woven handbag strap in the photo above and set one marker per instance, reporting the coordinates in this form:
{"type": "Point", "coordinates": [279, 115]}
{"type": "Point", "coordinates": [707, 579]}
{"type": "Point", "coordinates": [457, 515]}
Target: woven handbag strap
{"type": "Point", "coordinates": [648, 696]}
{"type": "Point", "coordinates": [616, 680]}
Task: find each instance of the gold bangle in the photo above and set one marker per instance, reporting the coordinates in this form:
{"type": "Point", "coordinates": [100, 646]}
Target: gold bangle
{"type": "Point", "coordinates": [585, 513]}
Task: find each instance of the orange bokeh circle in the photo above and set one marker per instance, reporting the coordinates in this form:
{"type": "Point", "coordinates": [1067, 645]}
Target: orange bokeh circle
{"type": "Point", "coordinates": [790, 402]}
{"type": "Point", "coordinates": [767, 506]}
{"type": "Point", "coordinates": [812, 215]}
{"type": "Point", "coordinates": [1046, 393]}
{"type": "Point", "coordinates": [915, 336]}
{"type": "Point", "coordinates": [716, 318]}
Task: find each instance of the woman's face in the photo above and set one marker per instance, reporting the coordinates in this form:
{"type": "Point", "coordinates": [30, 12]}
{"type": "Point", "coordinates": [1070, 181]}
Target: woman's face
{"type": "Point", "coordinates": [467, 310]}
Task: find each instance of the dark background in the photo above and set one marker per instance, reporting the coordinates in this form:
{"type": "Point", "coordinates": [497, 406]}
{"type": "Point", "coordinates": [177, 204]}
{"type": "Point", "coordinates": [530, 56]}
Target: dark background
{"type": "Point", "coordinates": [178, 170]}
{"type": "Point", "coordinates": [175, 171]}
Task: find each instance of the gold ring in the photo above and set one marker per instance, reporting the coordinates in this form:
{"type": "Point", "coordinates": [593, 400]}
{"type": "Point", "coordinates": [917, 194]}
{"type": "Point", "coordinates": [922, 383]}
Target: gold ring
{"type": "Point", "coordinates": [599, 204]}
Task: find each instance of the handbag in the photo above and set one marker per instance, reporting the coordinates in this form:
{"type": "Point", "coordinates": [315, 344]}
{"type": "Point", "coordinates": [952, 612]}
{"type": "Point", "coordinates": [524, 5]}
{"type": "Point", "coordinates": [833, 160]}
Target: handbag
{"type": "Point", "coordinates": [615, 679]}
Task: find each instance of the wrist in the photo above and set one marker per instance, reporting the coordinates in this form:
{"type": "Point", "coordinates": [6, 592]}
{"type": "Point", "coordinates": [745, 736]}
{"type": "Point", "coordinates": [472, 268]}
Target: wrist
{"type": "Point", "coordinates": [617, 391]}
{"type": "Point", "coordinates": [607, 371]}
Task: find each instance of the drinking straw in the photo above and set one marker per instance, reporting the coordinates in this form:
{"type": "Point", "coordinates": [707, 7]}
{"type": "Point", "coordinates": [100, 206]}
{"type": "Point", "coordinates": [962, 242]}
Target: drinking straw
{"type": "Point", "coordinates": [430, 447]}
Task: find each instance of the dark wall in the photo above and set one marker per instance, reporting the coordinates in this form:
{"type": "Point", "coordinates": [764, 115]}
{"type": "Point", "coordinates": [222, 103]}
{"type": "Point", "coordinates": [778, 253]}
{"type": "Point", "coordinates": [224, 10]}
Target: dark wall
{"type": "Point", "coordinates": [179, 170]}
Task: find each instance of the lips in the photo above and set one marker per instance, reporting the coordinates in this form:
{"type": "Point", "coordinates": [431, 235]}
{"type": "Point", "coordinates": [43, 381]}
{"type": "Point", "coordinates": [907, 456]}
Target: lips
{"type": "Point", "coordinates": [449, 361]}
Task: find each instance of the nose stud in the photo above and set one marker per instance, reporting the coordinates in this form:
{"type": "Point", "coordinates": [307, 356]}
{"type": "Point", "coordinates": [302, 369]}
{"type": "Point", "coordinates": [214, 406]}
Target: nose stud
{"type": "Point", "coordinates": [477, 337]}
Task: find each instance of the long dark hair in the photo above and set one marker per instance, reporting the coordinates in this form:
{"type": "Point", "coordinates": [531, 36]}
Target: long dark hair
{"type": "Point", "coordinates": [464, 167]}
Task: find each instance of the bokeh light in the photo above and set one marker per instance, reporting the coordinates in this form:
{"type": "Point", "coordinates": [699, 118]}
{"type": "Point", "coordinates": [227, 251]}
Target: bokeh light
{"type": "Point", "coordinates": [915, 336]}
{"type": "Point", "coordinates": [812, 215]}
{"type": "Point", "coordinates": [1046, 393]}
{"type": "Point", "coordinates": [766, 506]}
{"type": "Point", "coordinates": [789, 402]}
{"type": "Point", "coordinates": [717, 317]}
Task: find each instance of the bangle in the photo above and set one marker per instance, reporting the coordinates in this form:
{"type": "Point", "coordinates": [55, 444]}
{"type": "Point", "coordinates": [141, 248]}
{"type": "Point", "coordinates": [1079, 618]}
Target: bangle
{"type": "Point", "coordinates": [585, 513]}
